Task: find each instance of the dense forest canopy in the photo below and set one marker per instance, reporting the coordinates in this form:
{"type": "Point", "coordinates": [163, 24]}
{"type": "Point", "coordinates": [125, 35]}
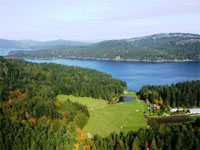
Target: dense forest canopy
{"type": "Point", "coordinates": [49, 80]}
{"type": "Point", "coordinates": [32, 118]}
{"type": "Point", "coordinates": [158, 47]}
{"type": "Point", "coordinates": [38, 123]}
{"type": "Point", "coordinates": [164, 137]}
{"type": "Point", "coordinates": [186, 94]}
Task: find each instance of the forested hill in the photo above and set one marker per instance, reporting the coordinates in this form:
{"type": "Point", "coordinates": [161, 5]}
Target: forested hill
{"type": "Point", "coordinates": [158, 47]}
{"type": "Point", "coordinates": [30, 44]}
{"type": "Point", "coordinates": [185, 94]}
{"type": "Point", "coordinates": [49, 80]}
{"type": "Point", "coordinates": [31, 117]}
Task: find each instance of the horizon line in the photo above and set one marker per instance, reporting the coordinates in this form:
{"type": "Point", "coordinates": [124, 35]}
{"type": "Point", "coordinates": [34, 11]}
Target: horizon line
{"type": "Point", "coordinates": [90, 41]}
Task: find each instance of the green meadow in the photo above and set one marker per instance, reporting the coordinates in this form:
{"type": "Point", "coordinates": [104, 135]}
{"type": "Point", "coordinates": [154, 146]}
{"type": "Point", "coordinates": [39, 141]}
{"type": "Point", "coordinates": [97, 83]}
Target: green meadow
{"type": "Point", "coordinates": [105, 119]}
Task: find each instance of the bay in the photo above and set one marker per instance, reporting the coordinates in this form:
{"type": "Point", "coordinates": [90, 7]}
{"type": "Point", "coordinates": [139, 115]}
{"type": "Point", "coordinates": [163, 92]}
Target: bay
{"type": "Point", "coordinates": [136, 74]}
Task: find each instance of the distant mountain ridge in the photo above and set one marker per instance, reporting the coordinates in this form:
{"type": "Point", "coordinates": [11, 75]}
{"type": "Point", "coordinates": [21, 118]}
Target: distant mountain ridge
{"type": "Point", "coordinates": [158, 37]}
{"type": "Point", "coordinates": [4, 43]}
{"type": "Point", "coordinates": [157, 48]}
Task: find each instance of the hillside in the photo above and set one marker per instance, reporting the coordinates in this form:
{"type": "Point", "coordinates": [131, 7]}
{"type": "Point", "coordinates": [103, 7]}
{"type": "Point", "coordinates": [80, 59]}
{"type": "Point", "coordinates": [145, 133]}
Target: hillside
{"type": "Point", "coordinates": [49, 80]}
{"type": "Point", "coordinates": [158, 47]}
{"type": "Point", "coordinates": [30, 44]}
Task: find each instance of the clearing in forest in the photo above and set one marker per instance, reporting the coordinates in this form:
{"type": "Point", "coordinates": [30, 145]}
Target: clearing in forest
{"type": "Point", "coordinates": [105, 119]}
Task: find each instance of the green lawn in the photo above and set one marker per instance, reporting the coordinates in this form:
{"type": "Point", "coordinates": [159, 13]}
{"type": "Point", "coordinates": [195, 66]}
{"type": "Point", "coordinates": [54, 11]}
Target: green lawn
{"type": "Point", "coordinates": [105, 118]}
{"type": "Point", "coordinates": [89, 102]}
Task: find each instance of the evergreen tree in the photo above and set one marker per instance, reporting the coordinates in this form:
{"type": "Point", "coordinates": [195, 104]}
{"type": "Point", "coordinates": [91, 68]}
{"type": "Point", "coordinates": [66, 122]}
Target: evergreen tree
{"type": "Point", "coordinates": [136, 144]}
{"type": "Point", "coordinates": [153, 145]}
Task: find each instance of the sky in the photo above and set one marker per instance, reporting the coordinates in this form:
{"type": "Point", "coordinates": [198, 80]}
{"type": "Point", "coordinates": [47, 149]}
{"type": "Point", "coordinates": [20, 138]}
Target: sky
{"type": "Point", "coordinates": [96, 20]}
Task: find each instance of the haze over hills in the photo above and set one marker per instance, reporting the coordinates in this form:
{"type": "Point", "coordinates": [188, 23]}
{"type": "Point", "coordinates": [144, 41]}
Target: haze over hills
{"type": "Point", "coordinates": [157, 47]}
{"type": "Point", "coordinates": [31, 44]}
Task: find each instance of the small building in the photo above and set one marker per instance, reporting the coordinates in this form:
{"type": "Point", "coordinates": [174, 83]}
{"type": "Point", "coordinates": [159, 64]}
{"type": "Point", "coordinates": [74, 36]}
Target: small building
{"type": "Point", "coordinates": [125, 92]}
{"type": "Point", "coordinates": [193, 111]}
{"type": "Point", "coordinates": [176, 109]}
{"type": "Point", "coordinates": [173, 110]}
{"type": "Point", "coordinates": [117, 58]}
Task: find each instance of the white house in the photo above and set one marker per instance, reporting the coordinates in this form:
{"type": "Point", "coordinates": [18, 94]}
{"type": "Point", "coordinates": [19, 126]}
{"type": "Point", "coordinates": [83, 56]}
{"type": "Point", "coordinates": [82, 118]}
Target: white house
{"type": "Point", "coordinates": [193, 111]}
{"type": "Point", "coordinates": [173, 110]}
{"type": "Point", "coordinates": [176, 109]}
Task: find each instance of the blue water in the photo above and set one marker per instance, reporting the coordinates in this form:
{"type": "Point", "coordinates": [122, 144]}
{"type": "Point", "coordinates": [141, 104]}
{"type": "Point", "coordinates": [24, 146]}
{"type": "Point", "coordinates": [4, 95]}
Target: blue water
{"type": "Point", "coordinates": [137, 74]}
{"type": "Point", "coordinates": [4, 52]}
{"type": "Point", "coordinates": [126, 99]}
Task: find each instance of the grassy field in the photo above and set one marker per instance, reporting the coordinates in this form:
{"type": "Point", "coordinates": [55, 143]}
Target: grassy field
{"type": "Point", "coordinates": [89, 102]}
{"type": "Point", "coordinates": [130, 93]}
{"type": "Point", "coordinates": [105, 118]}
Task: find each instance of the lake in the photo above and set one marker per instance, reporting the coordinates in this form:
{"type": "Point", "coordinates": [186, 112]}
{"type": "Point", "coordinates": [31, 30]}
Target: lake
{"type": "Point", "coordinates": [136, 74]}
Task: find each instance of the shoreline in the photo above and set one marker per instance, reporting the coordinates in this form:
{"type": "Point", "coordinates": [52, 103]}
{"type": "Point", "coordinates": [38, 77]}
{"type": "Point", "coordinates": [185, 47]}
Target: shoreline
{"type": "Point", "coordinates": [104, 59]}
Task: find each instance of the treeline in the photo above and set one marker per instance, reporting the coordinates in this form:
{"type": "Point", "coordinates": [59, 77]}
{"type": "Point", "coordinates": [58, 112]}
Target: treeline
{"type": "Point", "coordinates": [185, 136]}
{"type": "Point", "coordinates": [186, 94]}
{"type": "Point", "coordinates": [49, 80]}
{"type": "Point", "coordinates": [158, 47]}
